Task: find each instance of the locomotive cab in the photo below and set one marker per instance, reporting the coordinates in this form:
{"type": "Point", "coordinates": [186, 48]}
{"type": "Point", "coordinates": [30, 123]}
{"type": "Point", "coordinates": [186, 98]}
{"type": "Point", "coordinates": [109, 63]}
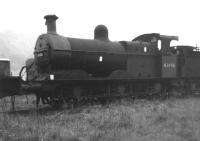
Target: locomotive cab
{"type": "Point", "coordinates": [169, 59]}
{"type": "Point", "coordinates": [152, 56]}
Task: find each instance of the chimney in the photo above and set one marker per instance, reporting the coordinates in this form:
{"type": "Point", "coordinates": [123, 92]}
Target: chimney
{"type": "Point", "coordinates": [51, 23]}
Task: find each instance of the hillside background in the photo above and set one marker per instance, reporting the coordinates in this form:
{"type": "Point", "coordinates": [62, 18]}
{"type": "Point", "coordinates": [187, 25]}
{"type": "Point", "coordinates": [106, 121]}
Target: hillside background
{"type": "Point", "coordinates": [17, 48]}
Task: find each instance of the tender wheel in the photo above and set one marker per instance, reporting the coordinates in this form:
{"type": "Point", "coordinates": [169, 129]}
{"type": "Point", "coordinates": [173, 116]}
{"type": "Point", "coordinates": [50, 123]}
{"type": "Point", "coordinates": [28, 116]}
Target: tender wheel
{"type": "Point", "coordinates": [57, 99]}
{"type": "Point", "coordinates": [77, 93]}
{"type": "Point", "coordinates": [121, 89]}
{"type": "Point", "coordinates": [55, 102]}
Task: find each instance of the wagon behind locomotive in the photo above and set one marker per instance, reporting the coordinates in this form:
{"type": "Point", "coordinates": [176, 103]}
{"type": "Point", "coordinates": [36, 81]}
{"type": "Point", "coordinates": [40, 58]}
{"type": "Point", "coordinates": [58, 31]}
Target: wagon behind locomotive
{"type": "Point", "coordinates": [9, 85]}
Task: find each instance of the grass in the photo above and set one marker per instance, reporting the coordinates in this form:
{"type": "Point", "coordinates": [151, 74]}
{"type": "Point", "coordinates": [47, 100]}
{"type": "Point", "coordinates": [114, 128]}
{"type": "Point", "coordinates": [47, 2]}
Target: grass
{"type": "Point", "coordinates": [142, 120]}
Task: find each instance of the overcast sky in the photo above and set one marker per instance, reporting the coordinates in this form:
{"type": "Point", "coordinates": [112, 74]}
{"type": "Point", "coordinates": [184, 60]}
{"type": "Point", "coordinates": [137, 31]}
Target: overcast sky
{"type": "Point", "coordinates": [125, 19]}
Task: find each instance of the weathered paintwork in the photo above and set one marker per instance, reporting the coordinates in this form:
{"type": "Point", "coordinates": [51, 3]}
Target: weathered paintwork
{"type": "Point", "coordinates": [98, 58]}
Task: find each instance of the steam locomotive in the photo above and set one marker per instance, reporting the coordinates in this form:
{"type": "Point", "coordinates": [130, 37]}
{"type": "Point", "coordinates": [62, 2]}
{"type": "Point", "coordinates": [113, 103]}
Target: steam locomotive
{"type": "Point", "coordinates": [70, 70]}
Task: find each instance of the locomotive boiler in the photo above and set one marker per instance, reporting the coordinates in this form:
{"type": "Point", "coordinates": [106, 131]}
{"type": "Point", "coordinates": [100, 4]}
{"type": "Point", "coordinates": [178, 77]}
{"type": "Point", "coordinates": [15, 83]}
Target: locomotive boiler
{"type": "Point", "coordinates": [98, 57]}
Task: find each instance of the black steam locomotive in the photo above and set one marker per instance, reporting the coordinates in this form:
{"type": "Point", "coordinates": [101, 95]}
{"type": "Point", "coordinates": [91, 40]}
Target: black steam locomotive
{"type": "Point", "coordinates": [71, 69]}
